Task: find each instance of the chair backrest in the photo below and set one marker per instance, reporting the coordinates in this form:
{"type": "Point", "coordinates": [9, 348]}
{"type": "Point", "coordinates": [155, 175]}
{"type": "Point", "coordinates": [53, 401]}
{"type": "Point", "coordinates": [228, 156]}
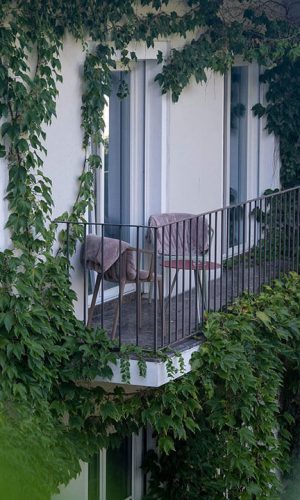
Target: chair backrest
{"type": "Point", "coordinates": [110, 257]}
{"type": "Point", "coordinates": [179, 234]}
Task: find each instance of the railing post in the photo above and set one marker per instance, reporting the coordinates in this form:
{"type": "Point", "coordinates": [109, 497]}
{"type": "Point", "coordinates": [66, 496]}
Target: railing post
{"type": "Point", "coordinates": [155, 289]}
{"type": "Point", "coordinates": [138, 291]}
{"type": "Point", "coordinates": [196, 279]}
{"type": "Point", "coordinates": [249, 246]}
{"type": "Point", "coordinates": [215, 258]}
{"type": "Point", "coordinates": [85, 291]}
{"type": "Point", "coordinates": [176, 286]}
{"type": "Point", "coordinates": [298, 230]}
{"type": "Point", "coordinates": [244, 246]}
{"type": "Point", "coordinates": [222, 244]}
{"type": "Point", "coordinates": [102, 280]}
{"type": "Point", "coordinates": [183, 278]}
{"type": "Point", "coordinates": [190, 274]}
{"type": "Point", "coordinates": [162, 289]}
{"type": "Point", "coordinates": [170, 286]}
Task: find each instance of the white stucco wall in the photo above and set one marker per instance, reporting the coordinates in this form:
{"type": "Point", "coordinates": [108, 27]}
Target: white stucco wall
{"type": "Point", "coordinates": [195, 178]}
{"type": "Point", "coordinates": [64, 161]}
{"type": "Point", "coordinates": [65, 157]}
{"type": "Point", "coordinates": [77, 489]}
{"type": "Point", "coordinates": [192, 149]}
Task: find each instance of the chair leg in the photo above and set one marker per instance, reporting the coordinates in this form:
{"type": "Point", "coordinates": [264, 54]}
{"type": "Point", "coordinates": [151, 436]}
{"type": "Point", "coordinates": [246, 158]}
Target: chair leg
{"type": "Point", "coordinates": [205, 290]}
{"type": "Point", "coordinates": [160, 285]}
{"type": "Point", "coordinates": [203, 286]}
{"type": "Point", "coordinates": [139, 299]}
{"type": "Point", "coordinates": [173, 282]}
{"type": "Point", "coordinates": [160, 294]}
{"type": "Point", "coordinates": [94, 298]}
{"type": "Point", "coordinates": [150, 292]}
{"type": "Point", "coordinates": [198, 288]}
{"type": "Point", "coordinates": [117, 313]}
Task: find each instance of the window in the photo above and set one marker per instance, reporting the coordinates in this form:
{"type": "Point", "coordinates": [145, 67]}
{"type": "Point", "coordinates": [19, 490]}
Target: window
{"type": "Point", "coordinates": [129, 186]}
{"type": "Point", "coordinates": [238, 134]}
{"type": "Point", "coordinates": [242, 144]}
{"type": "Point", "coordinates": [117, 158]}
{"type": "Point", "coordinates": [238, 149]}
{"type": "Point", "coordinates": [110, 474]}
{"type": "Point", "coordinates": [119, 472]}
{"type": "Point", "coordinates": [116, 474]}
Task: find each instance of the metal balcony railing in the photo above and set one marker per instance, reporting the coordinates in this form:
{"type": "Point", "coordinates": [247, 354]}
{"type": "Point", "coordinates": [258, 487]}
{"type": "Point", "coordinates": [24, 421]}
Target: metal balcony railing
{"type": "Point", "coordinates": [151, 286]}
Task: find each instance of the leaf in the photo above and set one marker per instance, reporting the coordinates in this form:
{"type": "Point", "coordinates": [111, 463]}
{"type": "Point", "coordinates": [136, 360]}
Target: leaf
{"type": "Point", "coordinates": [4, 128]}
{"type": "Point", "coordinates": [259, 110]}
{"type": "Point", "coordinates": [8, 321]}
{"type": "Point", "coordinates": [166, 444]}
{"type": "Point", "coordinates": [109, 410]}
{"type": "Point", "coordinates": [2, 151]}
{"type": "Point", "coordinates": [262, 316]}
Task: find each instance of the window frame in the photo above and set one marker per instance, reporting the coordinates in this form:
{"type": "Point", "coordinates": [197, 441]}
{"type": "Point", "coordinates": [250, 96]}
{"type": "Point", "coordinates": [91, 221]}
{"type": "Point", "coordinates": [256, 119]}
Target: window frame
{"type": "Point", "coordinates": [253, 141]}
{"type": "Point", "coordinates": [137, 474]}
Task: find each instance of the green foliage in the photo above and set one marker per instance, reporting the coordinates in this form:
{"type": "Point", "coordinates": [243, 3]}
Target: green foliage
{"type": "Point", "coordinates": [243, 428]}
{"type": "Point", "coordinates": [33, 454]}
{"type": "Point", "coordinates": [282, 113]}
{"type": "Point", "coordinates": [47, 357]}
{"type": "Point", "coordinates": [276, 234]}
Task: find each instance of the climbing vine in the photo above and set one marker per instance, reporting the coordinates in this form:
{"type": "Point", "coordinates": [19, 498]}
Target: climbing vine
{"type": "Point", "coordinates": [246, 379]}
{"type": "Point", "coordinates": [44, 350]}
{"type": "Point", "coordinates": [282, 114]}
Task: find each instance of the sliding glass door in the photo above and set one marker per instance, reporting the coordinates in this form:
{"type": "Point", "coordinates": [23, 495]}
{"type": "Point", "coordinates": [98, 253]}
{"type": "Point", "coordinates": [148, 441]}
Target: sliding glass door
{"type": "Point", "coordinates": [238, 149]}
{"type": "Point", "coordinates": [117, 175]}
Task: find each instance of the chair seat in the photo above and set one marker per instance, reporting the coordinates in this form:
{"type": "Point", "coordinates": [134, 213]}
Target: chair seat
{"type": "Point", "coordinates": [188, 265]}
{"type": "Point", "coordinates": [143, 276]}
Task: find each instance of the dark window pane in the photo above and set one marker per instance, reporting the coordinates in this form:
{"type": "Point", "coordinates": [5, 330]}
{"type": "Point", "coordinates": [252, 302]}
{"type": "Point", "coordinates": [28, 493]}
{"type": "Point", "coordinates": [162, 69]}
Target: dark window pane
{"type": "Point", "coordinates": [238, 147]}
{"type": "Point", "coordinates": [118, 472]}
{"type": "Point", "coordinates": [94, 478]}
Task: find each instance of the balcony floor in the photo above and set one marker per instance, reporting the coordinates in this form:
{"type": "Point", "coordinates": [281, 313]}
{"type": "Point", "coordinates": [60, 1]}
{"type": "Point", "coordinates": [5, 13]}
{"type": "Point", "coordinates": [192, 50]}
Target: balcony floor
{"type": "Point", "coordinates": [182, 326]}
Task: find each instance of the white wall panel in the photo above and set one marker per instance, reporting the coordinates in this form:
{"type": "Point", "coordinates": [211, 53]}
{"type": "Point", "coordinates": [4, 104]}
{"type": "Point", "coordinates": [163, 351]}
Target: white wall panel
{"type": "Point", "coordinates": [64, 161]}
{"type": "Point", "coordinates": [195, 178]}
{"type": "Point", "coordinates": [65, 157]}
{"type": "Point", "coordinates": [77, 489]}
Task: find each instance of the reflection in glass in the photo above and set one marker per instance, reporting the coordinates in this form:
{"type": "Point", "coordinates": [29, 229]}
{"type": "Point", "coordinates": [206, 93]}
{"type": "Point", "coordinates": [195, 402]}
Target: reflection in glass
{"type": "Point", "coordinates": [117, 158]}
{"type": "Point", "coordinates": [238, 148]}
{"type": "Point", "coordinates": [94, 478]}
{"type": "Point", "coordinates": [118, 472]}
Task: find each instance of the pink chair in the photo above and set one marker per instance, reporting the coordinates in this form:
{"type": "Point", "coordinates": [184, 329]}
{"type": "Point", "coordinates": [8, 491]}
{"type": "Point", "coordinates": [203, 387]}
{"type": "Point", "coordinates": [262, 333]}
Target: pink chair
{"type": "Point", "coordinates": [182, 242]}
{"type": "Point", "coordinates": [117, 262]}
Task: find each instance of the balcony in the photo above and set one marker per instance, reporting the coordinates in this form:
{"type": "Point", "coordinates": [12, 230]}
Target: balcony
{"type": "Point", "coordinates": [151, 286]}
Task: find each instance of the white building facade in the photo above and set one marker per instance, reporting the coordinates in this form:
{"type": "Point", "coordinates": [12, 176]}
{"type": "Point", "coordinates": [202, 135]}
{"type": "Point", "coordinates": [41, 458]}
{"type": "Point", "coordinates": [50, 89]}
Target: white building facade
{"type": "Point", "coordinates": [204, 152]}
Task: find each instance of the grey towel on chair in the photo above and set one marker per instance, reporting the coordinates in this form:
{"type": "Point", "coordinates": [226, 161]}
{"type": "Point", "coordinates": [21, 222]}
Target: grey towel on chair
{"type": "Point", "coordinates": [104, 257]}
{"type": "Point", "coordinates": [182, 234]}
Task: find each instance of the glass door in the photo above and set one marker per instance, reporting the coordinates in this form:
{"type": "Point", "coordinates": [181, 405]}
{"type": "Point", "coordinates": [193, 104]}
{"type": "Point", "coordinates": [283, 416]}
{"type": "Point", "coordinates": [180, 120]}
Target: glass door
{"type": "Point", "coordinates": [130, 179]}
{"type": "Point", "coordinates": [238, 150]}
{"type": "Point", "coordinates": [113, 180]}
{"type": "Point", "coordinates": [110, 473]}
{"type": "Point", "coordinates": [117, 160]}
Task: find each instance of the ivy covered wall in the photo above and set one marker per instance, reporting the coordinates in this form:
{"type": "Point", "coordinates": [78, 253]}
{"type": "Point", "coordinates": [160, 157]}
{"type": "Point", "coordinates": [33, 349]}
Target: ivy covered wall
{"type": "Point", "coordinates": [44, 349]}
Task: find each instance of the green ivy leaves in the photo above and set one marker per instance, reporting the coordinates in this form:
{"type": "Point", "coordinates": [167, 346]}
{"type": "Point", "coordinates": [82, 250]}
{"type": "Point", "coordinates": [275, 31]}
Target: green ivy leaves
{"type": "Point", "coordinates": [244, 378]}
{"type": "Point", "coordinates": [225, 408]}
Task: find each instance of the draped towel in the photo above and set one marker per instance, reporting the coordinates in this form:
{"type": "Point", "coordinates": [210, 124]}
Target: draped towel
{"type": "Point", "coordinates": [103, 255]}
{"type": "Point", "coordinates": [182, 234]}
